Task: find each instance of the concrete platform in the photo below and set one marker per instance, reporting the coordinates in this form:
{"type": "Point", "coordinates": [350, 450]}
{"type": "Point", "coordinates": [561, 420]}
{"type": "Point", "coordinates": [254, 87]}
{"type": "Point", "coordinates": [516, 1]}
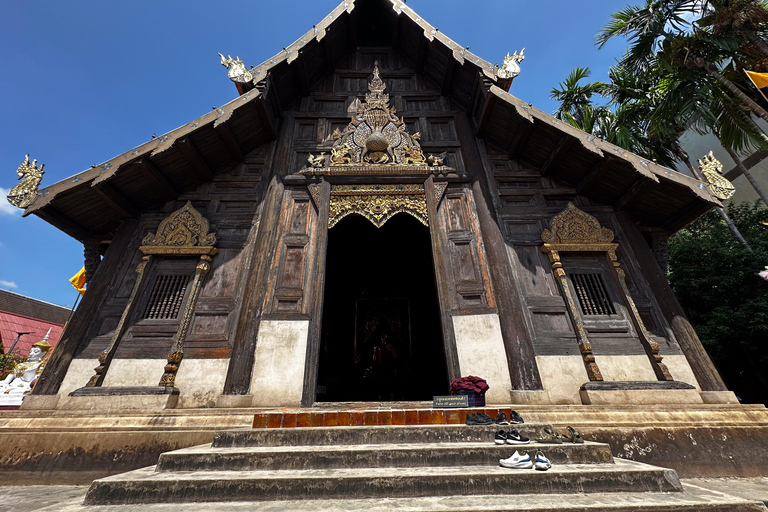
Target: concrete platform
{"type": "Point", "coordinates": [149, 486]}
{"type": "Point", "coordinates": [70, 447]}
{"type": "Point", "coordinates": [698, 496]}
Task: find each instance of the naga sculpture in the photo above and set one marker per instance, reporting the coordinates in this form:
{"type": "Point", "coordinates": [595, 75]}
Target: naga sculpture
{"type": "Point", "coordinates": [24, 193]}
{"type": "Point", "coordinates": [510, 68]}
{"type": "Point", "coordinates": [712, 170]}
{"type": "Point", "coordinates": [237, 72]}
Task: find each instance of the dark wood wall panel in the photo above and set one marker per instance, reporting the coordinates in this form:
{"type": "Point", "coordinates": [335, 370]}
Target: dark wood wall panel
{"type": "Point", "coordinates": [230, 203]}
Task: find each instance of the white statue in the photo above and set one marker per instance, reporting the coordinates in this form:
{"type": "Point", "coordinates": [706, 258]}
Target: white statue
{"type": "Point", "coordinates": [19, 381]}
{"type": "Point", "coordinates": [510, 68]}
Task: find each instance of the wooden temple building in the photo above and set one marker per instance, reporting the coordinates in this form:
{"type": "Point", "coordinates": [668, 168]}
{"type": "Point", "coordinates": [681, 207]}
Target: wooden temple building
{"type": "Point", "coordinates": [373, 215]}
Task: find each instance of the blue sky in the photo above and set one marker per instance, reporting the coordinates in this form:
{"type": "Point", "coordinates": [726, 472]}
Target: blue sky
{"type": "Point", "coordinates": [83, 81]}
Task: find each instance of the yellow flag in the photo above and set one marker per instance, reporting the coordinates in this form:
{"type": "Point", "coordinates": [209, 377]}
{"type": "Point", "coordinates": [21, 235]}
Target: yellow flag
{"type": "Point", "coordinates": [78, 281]}
{"type": "Point", "coordinates": [760, 80]}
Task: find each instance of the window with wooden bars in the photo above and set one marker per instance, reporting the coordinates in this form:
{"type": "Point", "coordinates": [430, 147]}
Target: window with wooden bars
{"type": "Point", "coordinates": [592, 294]}
{"type": "Point", "coordinates": [167, 297]}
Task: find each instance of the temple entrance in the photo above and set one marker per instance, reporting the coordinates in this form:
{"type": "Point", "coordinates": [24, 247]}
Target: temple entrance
{"type": "Point", "coordinates": [381, 337]}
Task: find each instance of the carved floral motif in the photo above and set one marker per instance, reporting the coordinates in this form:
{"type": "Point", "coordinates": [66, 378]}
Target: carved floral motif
{"type": "Point", "coordinates": [376, 142]}
{"type": "Point", "coordinates": [377, 203]}
{"type": "Point", "coordinates": [183, 228]}
{"type": "Point", "coordinates": [573, 226]}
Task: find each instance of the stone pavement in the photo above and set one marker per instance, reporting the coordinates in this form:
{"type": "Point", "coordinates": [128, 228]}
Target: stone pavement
{"type": "Point", "coordinates": [709, 491]}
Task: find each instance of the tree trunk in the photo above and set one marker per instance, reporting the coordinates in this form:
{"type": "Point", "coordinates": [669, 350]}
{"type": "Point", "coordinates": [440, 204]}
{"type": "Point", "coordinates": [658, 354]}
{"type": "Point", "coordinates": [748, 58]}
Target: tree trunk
{"type": "Point", "coordinates": [720, 210]}
{"type": "Point", "coordinates": [759, 43]}
{"type": "Point", "coordinates": [740, 165]}
{"type": "Point", "coordinates": [743, 98]}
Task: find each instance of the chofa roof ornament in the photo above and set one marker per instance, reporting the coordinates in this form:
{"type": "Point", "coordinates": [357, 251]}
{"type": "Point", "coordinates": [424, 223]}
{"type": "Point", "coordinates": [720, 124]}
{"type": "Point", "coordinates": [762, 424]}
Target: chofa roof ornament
{"type": "Point", "coordinates": [510, 68]}
{"type": "Point", "coordinates": [376, 141]}
{"type": "Point", "coordinates": [24, 193]}
{"type": "Point", "coordinates": [237, 72]}
{"type": "Point", "coordinates": [712, 170]}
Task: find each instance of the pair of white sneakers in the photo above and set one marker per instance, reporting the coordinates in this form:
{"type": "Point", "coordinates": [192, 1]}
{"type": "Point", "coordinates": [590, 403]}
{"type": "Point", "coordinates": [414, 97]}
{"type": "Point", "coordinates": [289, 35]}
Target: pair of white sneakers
{"type": "Point", "coordinates": [524, 461]}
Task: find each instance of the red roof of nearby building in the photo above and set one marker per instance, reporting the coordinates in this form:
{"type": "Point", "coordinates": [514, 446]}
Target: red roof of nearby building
{"type": "Point", "coordinates": [10, 324]}
{"type": "Point", "coordinates": [25, 314]}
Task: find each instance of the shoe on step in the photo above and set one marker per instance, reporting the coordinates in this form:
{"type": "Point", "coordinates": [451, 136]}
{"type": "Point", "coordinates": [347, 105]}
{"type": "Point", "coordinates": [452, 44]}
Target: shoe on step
{"type": "Point", "coordinates": [550, 437]}
{"type": "Point", "coordinates": [501, 437]}
{"type": "Point", "coordinates": [540, 462]}
{"type": "Point", "coordinates": [514, 437]}
{"type": "Point", "coordinates": [501, 419]}
{"type": "Point", "coordinates": [479, 419]}
{"type": "Point", "coordinates": [517, 461]}
{"type": "Point", "coordinates": [514, 417]}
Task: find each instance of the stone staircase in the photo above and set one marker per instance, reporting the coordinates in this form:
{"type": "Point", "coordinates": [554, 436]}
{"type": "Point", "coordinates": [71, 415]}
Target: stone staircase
{"type": "Point", "coordinates": [402, 468]}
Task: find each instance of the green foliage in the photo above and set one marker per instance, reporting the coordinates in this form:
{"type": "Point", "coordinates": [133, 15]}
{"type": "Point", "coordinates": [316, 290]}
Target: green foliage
{"type": "Point", "coordinates": [715, 279]}
{"type": "Point", "coordinates": [8, 361]}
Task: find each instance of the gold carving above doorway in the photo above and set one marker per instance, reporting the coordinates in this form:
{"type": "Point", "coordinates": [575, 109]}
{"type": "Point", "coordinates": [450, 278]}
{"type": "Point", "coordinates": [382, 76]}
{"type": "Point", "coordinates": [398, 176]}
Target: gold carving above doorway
{"type": "Point", "coordinates": [376, 142]}
{"type": "Point", "coordinates": [377, 203]}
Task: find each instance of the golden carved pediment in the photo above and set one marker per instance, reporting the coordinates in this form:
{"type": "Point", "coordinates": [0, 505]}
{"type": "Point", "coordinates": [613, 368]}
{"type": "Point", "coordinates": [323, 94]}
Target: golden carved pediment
{"type": "Point", "coordinates": [376, 141]}
{"type": "Point", "coordinates": [377, 203]}
{"type": "Point", "coordinates": [184, 232]}
{"type": "Point", "coordinates": [573, 226]}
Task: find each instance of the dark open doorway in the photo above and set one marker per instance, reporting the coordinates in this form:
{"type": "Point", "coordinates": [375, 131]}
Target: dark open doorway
{"type": "Point", "coordinates": [381, 338]}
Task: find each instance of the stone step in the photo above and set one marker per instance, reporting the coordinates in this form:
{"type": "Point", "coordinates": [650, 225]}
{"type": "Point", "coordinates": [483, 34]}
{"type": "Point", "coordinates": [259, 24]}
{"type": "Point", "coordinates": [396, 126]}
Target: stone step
{"type": "Point", "coordinates": [205, 458]}
{"type": "Point", "coordinates": [388, 434]}
{"type": "Point", "coordinates": [601, 502]}
{"type": "Point", "coordinates": [150, 486]}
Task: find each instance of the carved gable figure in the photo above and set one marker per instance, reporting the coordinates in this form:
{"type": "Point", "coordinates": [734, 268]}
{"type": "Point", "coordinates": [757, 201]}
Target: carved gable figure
{"type": "Point", "coordinates": [183, 228]}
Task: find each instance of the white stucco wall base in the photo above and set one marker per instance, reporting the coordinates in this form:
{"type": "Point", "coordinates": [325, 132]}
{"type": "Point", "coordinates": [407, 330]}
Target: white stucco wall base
{"type": "Point", "coordinates": [78, 374]}
{"type": "Point", "coordinates": [562, 376]}
{"type": "Point", "coordinates": [134, 372]}
{"type": "Point", "coordinates": [200, 381]}
{"type": "Point", "coordinates": [623, 368]}
{"type": "Point", "coordinates": [480, 348]}
{"type": "Point", "coordinates": [680, 369]}
{"type": "Point", "coordinates": [278, 369]}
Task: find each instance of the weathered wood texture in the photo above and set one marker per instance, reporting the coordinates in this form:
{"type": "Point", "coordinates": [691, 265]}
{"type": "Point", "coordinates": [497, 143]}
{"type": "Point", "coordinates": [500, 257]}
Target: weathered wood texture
{"type": "Point", "coordinates": [272, 238]}
{"type": "Point", "coordinates": [517, 340]}
{"type": "Point", "coordinates": [706, 374]}
{"type": "Point", "coordinates": [525, 202]}
{"type": "Point", "coordinates": [315, 297]}
{"type": "Point", "coordinates": [98, 288]}
{"type": "Point", "coordinates": [229, 201]}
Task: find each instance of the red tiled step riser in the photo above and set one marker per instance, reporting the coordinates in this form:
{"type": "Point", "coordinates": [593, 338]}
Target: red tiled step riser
{"type": "Point", "coordinates": [354, 418]}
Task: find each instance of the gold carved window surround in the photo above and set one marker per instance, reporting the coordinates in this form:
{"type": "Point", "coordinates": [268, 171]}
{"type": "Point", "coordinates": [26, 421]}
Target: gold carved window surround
{"type": "Point", "coordinates": [573, 230]}
{"type": "Point", "coordinates": [184, 233]}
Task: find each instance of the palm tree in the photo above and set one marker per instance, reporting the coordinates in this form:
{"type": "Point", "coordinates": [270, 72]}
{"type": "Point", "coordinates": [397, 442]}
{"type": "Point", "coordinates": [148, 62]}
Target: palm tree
{"type": "Point", "coordinates": [663, 27]}
{"type": "Point", "coordinates": [575, 99]}
{"type": "Point", "coordinates": [742, 19]}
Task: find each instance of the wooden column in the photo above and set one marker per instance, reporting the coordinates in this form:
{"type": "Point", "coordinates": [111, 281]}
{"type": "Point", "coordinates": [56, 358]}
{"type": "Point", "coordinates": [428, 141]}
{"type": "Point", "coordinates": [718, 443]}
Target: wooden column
{"type": "Point", "coordinates": [92, 259]}
{"type": "Point", "coordinates": [77, 328]}
{"type": "Point", "coordinates": [441, 280]}
{"type": "Point", "coordinates": [706, 374]}
{"type": "Point", "coordinates": [238, 381]}
{"type": "Point", "coordinates": [521, 358]}
{"type": "Point", "coordinates": [315, 300]}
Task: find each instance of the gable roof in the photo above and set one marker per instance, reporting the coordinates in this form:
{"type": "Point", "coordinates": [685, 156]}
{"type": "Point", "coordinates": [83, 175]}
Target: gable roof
{"type": "Point", "coordinates": [90, 205]}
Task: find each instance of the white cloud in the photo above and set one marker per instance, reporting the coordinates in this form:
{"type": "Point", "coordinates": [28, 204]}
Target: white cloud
{"type": "Point", "coordinates": [8, 284]}
{"type": "Point", "coordinates": [7, 208]}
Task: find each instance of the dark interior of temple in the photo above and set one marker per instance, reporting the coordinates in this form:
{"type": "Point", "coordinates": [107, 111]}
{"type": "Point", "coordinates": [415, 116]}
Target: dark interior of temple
{"type": "Point", "coordinates": [381, 338]}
